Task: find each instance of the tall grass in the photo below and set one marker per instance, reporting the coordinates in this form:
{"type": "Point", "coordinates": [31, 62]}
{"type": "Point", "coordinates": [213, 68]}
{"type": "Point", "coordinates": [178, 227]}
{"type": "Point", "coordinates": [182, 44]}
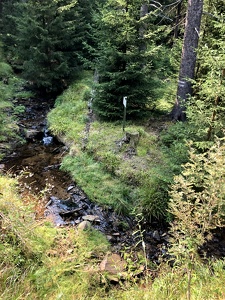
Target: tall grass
{"type": "Point", "coordinates": [39, 261]}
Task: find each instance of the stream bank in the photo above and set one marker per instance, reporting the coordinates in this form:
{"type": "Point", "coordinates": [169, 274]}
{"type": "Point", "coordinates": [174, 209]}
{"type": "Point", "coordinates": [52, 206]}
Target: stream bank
{"type": "Point", "coordinates": [37, 166]}
{"type": "Point", "coordinates": [37, 163]}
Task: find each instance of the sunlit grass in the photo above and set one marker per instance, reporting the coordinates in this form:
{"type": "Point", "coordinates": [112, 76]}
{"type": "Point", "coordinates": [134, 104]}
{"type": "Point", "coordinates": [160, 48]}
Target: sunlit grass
{"type": "Point", "coordinates": [40, 261]}
{"type": "Point", "coordinates": [99, 159]}
{"type": "Point", "coordinates": [99, 185]}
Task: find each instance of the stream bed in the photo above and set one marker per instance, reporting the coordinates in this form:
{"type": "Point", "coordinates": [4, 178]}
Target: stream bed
{"type": "Point", "coordinates": [37, 165]}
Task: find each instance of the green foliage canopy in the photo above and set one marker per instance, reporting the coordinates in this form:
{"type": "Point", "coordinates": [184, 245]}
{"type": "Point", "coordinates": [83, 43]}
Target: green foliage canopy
{"type": "Point", "coordinates": [124, 69]}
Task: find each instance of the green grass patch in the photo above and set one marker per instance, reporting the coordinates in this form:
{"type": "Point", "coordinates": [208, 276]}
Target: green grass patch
{"type": "Point", "coordinates": [10, 88]}
{"type": "Point", "coordinates": [100, 160]}
{"type": "Point", "coordinates": [99, 185]}
{"type": "Point", "coordinates": [68, 118]}
{"type": "Point", "coordinates": [39, 261]}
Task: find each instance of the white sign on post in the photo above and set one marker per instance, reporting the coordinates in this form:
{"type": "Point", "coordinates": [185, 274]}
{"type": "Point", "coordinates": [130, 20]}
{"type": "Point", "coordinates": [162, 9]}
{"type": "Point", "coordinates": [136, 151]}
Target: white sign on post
{"type": "Point", "coordinates": [124, 111]}
{"type": "Point", "coordinates": [125, 101]}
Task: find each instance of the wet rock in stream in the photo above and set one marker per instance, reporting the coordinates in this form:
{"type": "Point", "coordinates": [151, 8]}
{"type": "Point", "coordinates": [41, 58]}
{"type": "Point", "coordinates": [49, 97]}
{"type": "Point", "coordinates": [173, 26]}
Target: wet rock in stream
{"type": "Point", "coordinates": [78, 208]}
{"type": "Point", "coordinates": [121, 231]}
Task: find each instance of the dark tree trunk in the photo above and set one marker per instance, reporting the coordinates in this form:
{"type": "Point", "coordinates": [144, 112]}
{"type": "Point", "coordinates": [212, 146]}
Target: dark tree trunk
{"type": "Point", "coordinates": [188, 59]}
{"type": "Point", "coordinates": [143, 27]}
{"type": "Point", "coordinates": [178, 17]}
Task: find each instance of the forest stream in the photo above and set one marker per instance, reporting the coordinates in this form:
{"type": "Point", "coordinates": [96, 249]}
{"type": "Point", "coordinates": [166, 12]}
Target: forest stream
{"type": "Point", "coordinates": [37, 162]}
{"type": "Point", "coordinates": [37, 165]}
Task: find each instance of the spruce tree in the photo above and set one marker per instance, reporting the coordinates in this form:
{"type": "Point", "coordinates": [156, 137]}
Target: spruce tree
{"type": "Point", "coordinates": [46, 42]}
{"type": "Point", "coordinates": [124, 70]}
{"type": "Point", "coordinates": [86, 42]}
{"type": "Point", "coordinates": [9, 15]}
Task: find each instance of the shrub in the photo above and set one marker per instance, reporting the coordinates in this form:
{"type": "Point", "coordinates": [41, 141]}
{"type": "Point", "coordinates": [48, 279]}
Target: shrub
{"type": "Point", "coordinates": [197, 204]}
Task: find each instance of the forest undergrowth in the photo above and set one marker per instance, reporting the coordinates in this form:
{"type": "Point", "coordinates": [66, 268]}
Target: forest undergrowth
{"type": "Point", "coordinates": [40, 261]}
{"type": "Point", "coordinates": [152, 60]}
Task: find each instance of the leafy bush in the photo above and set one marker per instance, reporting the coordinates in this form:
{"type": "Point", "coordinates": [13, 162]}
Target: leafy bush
{"type": "Point", "coordinates": [197, 204]}
{"type": "Point", "coordinates": [5, 70]}
{"type": "Point", "coordinates": [174, 145]}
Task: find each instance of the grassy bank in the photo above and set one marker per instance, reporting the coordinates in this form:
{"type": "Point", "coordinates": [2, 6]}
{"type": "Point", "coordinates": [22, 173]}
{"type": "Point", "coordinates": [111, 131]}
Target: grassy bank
{"type": "Point", "coordinates": [11, 89]}
{"type": "Point", "coordinates": [103, 163]}
{"type": "Point", "coordinates": [39, 261]}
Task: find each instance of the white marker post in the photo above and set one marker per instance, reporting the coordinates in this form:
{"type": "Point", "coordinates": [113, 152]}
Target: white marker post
{"type": "Point", "coordinates": [125, 111]}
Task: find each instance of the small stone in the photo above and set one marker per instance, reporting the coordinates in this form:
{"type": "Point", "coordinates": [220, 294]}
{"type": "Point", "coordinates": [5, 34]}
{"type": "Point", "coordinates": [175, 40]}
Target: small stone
{"type": "Point", "coordinates": [116, 234]}
{"type": "Point", "coordinates": [109, 237]}
{"type": "Point", "coordinates": [113, 264]}
{"type": "Point", "coordinates": [70, 188]}
{"type": "Point", "coordinates": [156, 235]}
{"type": "Point", "coordinates": [91, 218]}
{"type": "Point", "coordinates": [31, 133]}
{"type": "Point", "coordinates": [84, 225]}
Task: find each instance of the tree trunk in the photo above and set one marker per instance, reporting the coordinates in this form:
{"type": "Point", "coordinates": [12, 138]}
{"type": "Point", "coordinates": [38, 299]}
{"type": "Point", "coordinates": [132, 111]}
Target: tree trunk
{"type": "Point", "coordinates": [143, 27]}
{"type": "Point", "coordinates": [178, 17]}
{"type": "Point", "coordinates": [188, 59]}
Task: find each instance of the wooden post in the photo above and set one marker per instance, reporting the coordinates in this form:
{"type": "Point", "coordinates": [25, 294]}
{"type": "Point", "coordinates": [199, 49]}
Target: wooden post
{"type": "Point", "coordinates": [124, 112]}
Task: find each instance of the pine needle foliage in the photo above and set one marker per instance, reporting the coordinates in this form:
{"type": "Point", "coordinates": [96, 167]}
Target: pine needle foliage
{"type": "Point", "coordinates": [124, 70]}
{"type": "Point", "coordinates": [46, 40]}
